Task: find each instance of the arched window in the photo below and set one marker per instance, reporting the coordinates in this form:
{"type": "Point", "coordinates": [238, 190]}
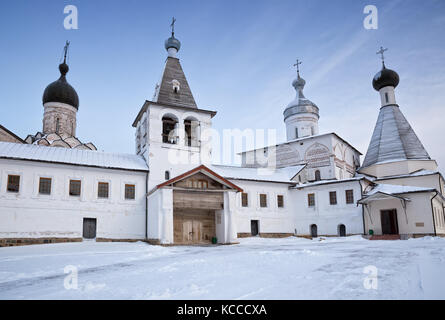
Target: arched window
{"type": "Point", "coordinates": [296, 133]}
{"type": "Point", "coordinates": [317, 175]}
{"type": "Point", "coordinates": [342, 230]}
{"type": "Point", "coordinates": [314, 231]}
{"type": "Point", "coordinates": [57, 125]}
{"type": "Point", "coordinates": [167, 175]}
{"type": "Point", "coordinates": [191, 132]}
{"type": "Point", "coordinates": [386, 97]}
{"type": "Point", "coordinates": [169, 135]}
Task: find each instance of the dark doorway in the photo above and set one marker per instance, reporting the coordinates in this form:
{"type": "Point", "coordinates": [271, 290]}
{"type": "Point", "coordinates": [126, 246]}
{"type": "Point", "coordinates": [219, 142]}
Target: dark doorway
{"type": "Point", "coordinates": [389, 221]}
{"type": "Point", "coordinates": [89, 228]}
{"type": "Point", "coordinates": [342, 230]}
{"type": "Point", "coordinates": [314, 231]}
{"type": "Point", "coordinates": [254, 227]}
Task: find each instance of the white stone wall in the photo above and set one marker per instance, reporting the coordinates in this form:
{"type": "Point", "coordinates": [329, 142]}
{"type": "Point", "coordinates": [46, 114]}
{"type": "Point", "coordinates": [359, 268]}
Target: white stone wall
{"type": "Point", "coordinates": [271, 219]}
{"type": "Point", "coordinates": [28, 214]}
{"type": "Point", "coordinates": [306, 123]}
{"type": "Point", "coordinates": [328, 217]}
{"type": "Point", "coordinates": [328, 154]}
{"type": "Point", "coordinates": [418, 210]}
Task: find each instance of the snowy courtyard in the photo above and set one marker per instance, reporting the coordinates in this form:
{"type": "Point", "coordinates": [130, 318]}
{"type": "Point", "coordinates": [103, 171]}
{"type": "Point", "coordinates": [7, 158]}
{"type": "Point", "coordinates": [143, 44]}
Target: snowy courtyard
{"type": "Point", "coordinates": [291, 268]}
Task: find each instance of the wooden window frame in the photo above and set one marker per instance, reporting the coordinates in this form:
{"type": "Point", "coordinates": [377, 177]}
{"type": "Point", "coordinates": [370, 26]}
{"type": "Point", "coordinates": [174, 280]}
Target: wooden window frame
{"type": "Point", "coordinates": [349, 196]}
{"type": "Point", "coordinates": [43, 187]}
{"type": "Point", "coordinates": [311, 200]}
{"type": "Point", "coordinates": [244, 201]}
{"type": "Point", "coordinates": [280, 196]}
{"type": "Point", "coordinates": [263, 196]}
{"type": "Point", "coordinates": [333, 198]}
{"type": "Point", "coordinates": [102, 196]}
{"type": "Point", "coordinates": [71, 185]}
{"type": "Point", "coordinates": [130, 191]}
{"type": "Point", "coordinates": [13, 186]}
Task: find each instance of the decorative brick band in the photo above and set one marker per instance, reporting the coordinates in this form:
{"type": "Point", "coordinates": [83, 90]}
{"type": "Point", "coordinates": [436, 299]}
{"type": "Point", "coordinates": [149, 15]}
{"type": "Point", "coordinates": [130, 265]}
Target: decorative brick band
{"type": "Point", "coordinates": [9, 242]}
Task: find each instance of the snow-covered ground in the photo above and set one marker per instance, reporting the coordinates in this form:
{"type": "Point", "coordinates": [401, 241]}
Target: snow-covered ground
{"type": "Point", "coordinates": [291, 268]}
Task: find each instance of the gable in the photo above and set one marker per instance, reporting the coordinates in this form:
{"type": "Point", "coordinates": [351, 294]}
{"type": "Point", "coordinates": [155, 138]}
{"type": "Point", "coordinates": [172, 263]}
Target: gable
{"type": "Point", "coordinates": [205, 174]}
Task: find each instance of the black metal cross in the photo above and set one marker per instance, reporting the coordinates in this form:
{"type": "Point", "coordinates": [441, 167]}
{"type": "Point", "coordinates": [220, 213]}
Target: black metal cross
{"type": "Point", "coordinates": [298, 66]}
{"type": "Point", "coordinates": [381, 51]}
{"type": "Point", "coordinates": [172, 25]}
{"type": "Point", "coordinates": [65, 49]}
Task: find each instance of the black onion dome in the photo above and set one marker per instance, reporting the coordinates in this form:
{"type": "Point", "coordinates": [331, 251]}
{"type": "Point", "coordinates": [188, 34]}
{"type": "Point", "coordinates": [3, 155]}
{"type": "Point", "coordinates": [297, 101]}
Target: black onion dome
{"type": "Point", "coordinates": [385, 78]}
{"type": "Point", "coordinates": [61, 90]}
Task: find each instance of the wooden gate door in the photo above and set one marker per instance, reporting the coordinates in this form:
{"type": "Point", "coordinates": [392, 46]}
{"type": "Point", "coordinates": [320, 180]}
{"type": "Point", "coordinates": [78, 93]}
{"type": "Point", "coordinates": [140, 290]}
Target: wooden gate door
{"type": "Point", "coordinates": [193, 226]}
{"type": "Point", "coordinates": [89, 228]}
{"type": "Point", "coordinates": [389, 221]}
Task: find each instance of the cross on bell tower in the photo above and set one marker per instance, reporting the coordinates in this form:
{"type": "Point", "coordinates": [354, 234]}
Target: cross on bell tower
{"type": "Point", "coordinates": [381, 51]}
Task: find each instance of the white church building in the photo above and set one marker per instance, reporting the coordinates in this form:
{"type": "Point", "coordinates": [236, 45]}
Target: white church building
{"type": "Point", "coordinates": [55, 188]}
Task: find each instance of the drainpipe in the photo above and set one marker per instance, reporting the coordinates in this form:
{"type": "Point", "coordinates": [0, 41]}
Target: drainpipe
{"type": "Point", "coordinates": [363, 209]}
{"type": "Point", "coordinates": [146, 205]}
{"type": "Point", "coordinates": [432, 210]}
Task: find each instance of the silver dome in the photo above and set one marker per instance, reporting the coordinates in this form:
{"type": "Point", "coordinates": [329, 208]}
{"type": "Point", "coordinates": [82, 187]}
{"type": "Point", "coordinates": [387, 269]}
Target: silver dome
{"type": "Point", "coordinates": [172, 42]}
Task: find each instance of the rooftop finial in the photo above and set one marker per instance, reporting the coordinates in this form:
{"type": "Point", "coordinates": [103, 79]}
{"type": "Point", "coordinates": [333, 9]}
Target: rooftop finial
{"type": "Point", "coordinates": [381, 51]}
{"type": "Point", "coordinates": [63, 67]}
{"type": "Point", "coordinates": [172, 25]}
{"type": "Point", "coordinates": [65, 49]}
{"type": "Point", "coordinates": [298, 66]}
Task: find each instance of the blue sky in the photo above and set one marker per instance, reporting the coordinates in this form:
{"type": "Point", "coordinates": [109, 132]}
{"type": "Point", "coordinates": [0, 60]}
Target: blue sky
{"type": "Point", "coordinates": [237, 56]}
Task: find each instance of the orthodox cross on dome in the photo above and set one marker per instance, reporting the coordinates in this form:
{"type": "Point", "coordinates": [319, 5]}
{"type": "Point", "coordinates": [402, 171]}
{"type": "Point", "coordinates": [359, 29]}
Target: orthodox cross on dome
{"type": "Point", "coordinates": [298, 66]}
{"type": "Point", "coordinates": [65, 50]}
{"type": "Point", "coordinates": [381, 51]}
{"type": "Point", "coordinates": [172, 25]}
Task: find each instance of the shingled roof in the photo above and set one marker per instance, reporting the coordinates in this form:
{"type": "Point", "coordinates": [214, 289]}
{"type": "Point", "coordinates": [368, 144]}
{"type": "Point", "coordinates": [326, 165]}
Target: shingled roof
{"type": "Point", "coordinates": [166, 94]}
{"type": "Point", "coordinates": [393, 139]}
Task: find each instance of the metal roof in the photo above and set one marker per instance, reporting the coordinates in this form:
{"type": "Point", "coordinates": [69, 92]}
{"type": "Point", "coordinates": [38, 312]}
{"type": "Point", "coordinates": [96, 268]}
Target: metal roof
{"type": "Point", "coordinates": [393, 139]}
{"type": "Point", "coordinates": [80, 157]}
{"type": "Point", "coordinates": [280, 175]}
{"type": "Point", "coordinates": [182, 98]}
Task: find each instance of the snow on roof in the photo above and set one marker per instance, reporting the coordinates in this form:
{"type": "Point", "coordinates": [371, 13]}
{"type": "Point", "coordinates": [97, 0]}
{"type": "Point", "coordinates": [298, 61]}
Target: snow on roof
{"type": "Point", "coordinates": [322, 182]}
{"type": "Point", "coordinates": [72, 156]}
{"type": "Point", "coordinates": [258, 174]}
{"type": "Point", "coordinates": [299, 140]}
{"type": "Point", "coordinates": [396, 189]}
{"type": "Point", "coordinates": [413, 174]}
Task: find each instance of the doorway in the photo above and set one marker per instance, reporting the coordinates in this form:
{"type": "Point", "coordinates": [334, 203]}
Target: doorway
{"type": "Point", "coordinates": [254, 227]}
{"type": "Point", "coordinates": [314, 231]}
{"type": "Point", "coordinates": [193, 226]}
{"type": "Point", "coordinates": [389, 221]}
{"type": "Point", "coordinates": [89, 228]}
{"type": "Point", "coordinates": [342, 230]}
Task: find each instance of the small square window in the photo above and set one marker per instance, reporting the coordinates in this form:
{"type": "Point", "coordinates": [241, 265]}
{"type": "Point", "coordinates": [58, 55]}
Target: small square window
{"type": "Point", "coordinates": [45, 186]}
{"type": "Point", "coordinates": [280, 201]}
{"type": "Point", "coordinates": [244, 199]}
{"type": "Point", "coordinates": [333, 197]}
{"type": "Point", "coordinates": [263, 200]}
{"type": "Point", "coordinates": [13, 183]}
{"type": "Point", "coordinates": [130, 191]}
{"type": "Point", "coordinates": [349, 196]}
{"type": "Point", "coordinates": [75, 186]}
{"type": "Point", "coordinates": [311, 199]}
{"type": "Point", "coordinates": [102, 190]}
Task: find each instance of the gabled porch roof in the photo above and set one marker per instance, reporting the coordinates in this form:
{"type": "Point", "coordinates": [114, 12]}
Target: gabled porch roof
{"type": "Point", "coordinates": [204, 170]}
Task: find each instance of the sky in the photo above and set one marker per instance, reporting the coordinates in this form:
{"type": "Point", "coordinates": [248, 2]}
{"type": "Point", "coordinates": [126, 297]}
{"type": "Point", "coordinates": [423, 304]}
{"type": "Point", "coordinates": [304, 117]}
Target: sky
{"type": "Point", "coordinates": [238, 57]}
